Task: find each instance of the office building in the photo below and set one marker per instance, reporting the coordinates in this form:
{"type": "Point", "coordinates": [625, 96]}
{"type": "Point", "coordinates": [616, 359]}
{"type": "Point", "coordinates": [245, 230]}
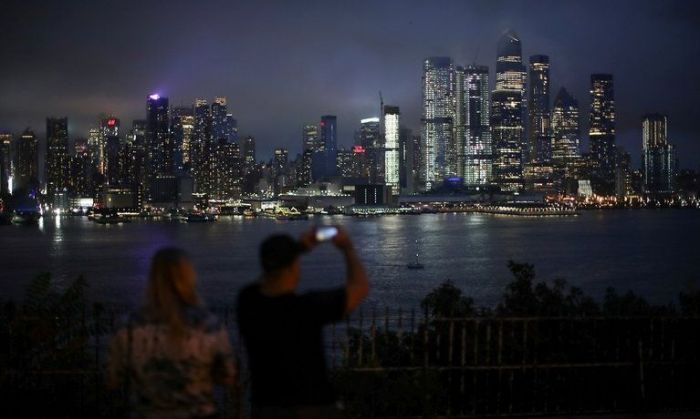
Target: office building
{"type": "Point", "coordinates": [370, 139]}
{"type": "Point", "coordinates": [539, 145]}
{"type": "Point", "coordinates": [601, 132]}
{"type": "Point", "coordinates": [437, 120]}
{"type": "Point", "coordinates": [5, 163]}
{"type": "Point", "coordinates": [391, 148]}
{"type": "Point", "coordinates": [159, 146]}
{"type": "Point", "coordinates": [182, 130]}
{"type": "Point", "coordinates": [26, 167]}
{"type": "Point", "coordinates": [659, 165]}
{"type": "Point", "coordinates": [57, 156]}
{"type": "Point", "coordinates": [507, 112]}
{"type": "Point", "coordinates": [110, 142]}
{"type": "Point", "coordinates": [478, 153]}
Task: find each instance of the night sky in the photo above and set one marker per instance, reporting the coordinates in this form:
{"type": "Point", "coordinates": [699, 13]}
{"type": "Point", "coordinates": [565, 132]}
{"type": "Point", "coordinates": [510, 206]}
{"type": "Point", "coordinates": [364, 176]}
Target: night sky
{"type": "Point", "coordinates": [285, 63]}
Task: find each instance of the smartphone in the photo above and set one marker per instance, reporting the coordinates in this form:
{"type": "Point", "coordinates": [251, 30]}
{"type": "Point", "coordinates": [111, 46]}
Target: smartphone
{"type": "Point", "coordinates": [325, 233]}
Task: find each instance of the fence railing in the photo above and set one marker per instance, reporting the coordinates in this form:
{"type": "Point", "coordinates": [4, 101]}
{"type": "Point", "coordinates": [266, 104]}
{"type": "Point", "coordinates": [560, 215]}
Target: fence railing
{"type": "Point", "coordinates": [394, 363]}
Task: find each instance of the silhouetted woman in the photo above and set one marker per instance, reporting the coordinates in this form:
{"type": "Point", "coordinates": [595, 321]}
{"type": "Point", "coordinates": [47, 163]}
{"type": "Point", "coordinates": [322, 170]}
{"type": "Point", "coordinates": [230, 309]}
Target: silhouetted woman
{"type": "Point", "coordinates": [170, 354]}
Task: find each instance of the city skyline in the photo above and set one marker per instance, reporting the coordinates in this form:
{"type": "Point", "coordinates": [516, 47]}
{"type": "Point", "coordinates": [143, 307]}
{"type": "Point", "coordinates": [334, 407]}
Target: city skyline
{"type": "Point", "coordinates": [361, 60]}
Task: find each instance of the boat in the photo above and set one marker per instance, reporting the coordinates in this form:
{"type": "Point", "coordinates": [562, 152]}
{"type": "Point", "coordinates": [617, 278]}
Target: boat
{"type": "Point", "coordinates": [199, 217]}
{"type": "Point", "coordinates": [109, 218]}
{"type": "Point", "coordinates": [415, 265]}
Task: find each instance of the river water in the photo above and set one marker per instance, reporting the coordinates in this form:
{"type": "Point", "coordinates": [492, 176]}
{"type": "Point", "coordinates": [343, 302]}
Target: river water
{"type": "Point", "coordinates": [653, 252]}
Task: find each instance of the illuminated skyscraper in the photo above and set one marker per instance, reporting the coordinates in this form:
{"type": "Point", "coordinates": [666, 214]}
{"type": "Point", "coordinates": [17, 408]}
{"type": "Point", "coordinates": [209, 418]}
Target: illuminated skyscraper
{"type": "Point", "coordinates": [96, 148]}
{"type": "Point", "coordinates": [26, 167]}
{"type": "Point", "coordinates": [109, 136]}
{"type": "Point", "coordinates": [457, 148]}
{"type": "Point", "coordinates": [137, 137]}
{"type": "Point", "coordinates": [539, 144]}
{"type": "Point", "coordinates": [57, 156]}
{"type": "Point", "coordinates": [324, 161]}
{"type": "Point", "coordinates": [5, 163]}
{"type": "Point", "coordinates": [370, 138]}
{"type": "Point", "coordinates": [226, 172]}
{"type": "Point", "coordinates": [249, 151]}
{"type": "Point", "coordinates": [601, 132]}
{"type": "Point", "coordinates": [658, 156]}
{"type": "Point", "coordinates": [81, 170]}
{"type": "Point", "coordinates": [220, 126]}
{"type": "Point", "coordinates": [437, 119]}
{"type": "Point", "coordinates": [479, 156]}
{"type": "Point", "coordinates": [159, 145]}
{"type": "Point", "coordinates": [507, 112]}
{"type": "Point", "coordinates": [310, 138]}
{"type": "Point", "coordinates": [391, 148]}
{"type": "Point", "coordinates": [200, 148]}
{"type": "Point", "coordinates": [182, 131]}
{"type": "Point", "coordinates": [566, 132]}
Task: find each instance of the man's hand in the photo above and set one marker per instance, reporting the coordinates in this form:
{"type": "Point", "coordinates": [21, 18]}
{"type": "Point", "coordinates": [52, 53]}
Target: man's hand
{"type": "Point", "coordinates": [342, 239]}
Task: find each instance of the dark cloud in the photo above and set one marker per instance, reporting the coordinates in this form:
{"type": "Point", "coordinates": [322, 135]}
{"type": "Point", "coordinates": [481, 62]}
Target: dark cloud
{"type": "Point", "coordinates": [282, 63]}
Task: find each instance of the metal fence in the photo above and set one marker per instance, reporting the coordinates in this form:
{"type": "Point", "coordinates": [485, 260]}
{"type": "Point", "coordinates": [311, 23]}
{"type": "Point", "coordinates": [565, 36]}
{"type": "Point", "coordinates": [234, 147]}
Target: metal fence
{"type": "Point", "coordinates": [394, 363]}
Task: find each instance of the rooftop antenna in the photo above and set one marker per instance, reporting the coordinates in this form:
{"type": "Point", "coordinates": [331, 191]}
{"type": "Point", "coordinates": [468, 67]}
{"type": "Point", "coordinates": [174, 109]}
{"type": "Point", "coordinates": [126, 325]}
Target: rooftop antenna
{"type": "Point", "coordinates": [381, 103]}
{"type": "Point", "coordinates": [476, 54]}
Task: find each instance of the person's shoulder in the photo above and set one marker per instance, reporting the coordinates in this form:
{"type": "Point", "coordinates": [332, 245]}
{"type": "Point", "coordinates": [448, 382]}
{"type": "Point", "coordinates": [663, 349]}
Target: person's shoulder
{"type": "Point", "coordinates": [251, 290]}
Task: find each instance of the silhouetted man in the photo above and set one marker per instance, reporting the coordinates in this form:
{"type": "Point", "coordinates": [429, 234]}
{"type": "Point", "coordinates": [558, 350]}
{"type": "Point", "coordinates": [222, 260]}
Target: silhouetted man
{"type": "Point", "coordinates": [283, 330]}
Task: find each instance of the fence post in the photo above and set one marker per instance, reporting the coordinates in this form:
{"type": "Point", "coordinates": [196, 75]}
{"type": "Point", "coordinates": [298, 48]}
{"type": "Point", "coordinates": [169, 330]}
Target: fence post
{"type": "Point", "coordinates": [426, 360]}
{"type": "Point", "coordinates": [642, 390]}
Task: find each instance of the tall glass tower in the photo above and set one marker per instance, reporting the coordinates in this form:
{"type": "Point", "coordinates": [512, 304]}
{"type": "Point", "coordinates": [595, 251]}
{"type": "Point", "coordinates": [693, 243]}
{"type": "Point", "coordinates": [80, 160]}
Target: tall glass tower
{"type": "Point", "coordinates": [539, 146]}
{"type": "Point", "coordinates": [601, 131]}
{"type": "Point", "coordinates": [658, 156]}
{"type": "Point", "coordinates": [57, 157]}
{"type": "Point", "coordinates": [437, 119]}
{"type": "Point", "coordinates": [507, 114]}
{"type": "Point", "coordinates": [159, 149]}
{"type": "Point", "coordinates": [479, 156]}
{"type": "Point", "coordinates": [391, 148]}
{"type": "Point", "coordinates": [566, 132]}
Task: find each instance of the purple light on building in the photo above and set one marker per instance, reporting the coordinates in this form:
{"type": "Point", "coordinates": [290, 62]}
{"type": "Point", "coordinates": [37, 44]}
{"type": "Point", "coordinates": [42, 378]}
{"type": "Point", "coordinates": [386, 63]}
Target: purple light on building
{"type": "Point", "coordinates": [155, 96]}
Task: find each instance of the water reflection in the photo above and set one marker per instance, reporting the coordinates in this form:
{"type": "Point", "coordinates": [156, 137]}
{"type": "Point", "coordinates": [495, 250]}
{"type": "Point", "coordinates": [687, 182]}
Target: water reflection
{"type": "Point", "coordinates": [624, 249]}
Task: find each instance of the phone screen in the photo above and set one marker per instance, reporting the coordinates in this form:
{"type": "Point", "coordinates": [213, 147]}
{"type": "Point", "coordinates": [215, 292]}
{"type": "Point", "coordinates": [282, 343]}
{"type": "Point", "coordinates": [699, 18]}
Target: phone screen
{"type": "Point", "coordinates": [325, 233]}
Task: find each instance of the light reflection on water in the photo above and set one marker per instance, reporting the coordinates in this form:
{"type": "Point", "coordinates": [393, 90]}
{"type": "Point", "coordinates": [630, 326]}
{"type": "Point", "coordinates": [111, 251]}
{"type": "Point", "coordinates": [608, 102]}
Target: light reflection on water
{"type": "Point", "coordinates": [651, 252]}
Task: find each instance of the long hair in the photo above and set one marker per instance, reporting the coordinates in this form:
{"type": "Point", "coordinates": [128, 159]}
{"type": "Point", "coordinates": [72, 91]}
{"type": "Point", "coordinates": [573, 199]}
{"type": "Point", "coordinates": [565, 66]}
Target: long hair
{"type": "Point", "coordinates": [169, 294]}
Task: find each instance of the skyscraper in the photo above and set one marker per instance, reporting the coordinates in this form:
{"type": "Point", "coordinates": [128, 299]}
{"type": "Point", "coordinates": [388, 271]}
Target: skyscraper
{"type": "Point", "coordinates": [437, 119]}
{"type": "Point", "coordinates": [159, 147]}
{"type": "Point", "coordinates": [57, 157]}
{"type": "Point", "coordinates": [137, 137]}
{"type": "Point", "coordinates": [26, 176]}
{"type": "Point", "coordinates": [479, 156]}
{"type": "Point", "coordinates": [658, 155]}
{"type": "Point", "coordinates": [324, 162]}
{"type": "Point", "coordinates": [566, 132]}
{"type": "Point", "coordinates": [200, 148]}
{"type": "Point", "coordinates": [5, 163]}
{"type": "Point", "coordinates": [539, 145]}
{"type": "Point", "coordinates": [249, 151]}
{"type": "Point", "coordinates": [507, 114]}
{"type": "Point", "coordinates": [109, 136]}
{"type": "Point", "coordinates": [220, 127]}
{"type": "Point", "coordinates": [96, 148]}
{"type": "Point", "coordinates": [601, 132]}
{"type": "Point", "coordinates": [310, 138]}
{"type": "Point", "coordinates": [182, 131]}
{"type": "Point", "coordinates": [457, 148]}
{"type": "Point", "coordinates": [370, 138]}
{"type": "Point", "coordinates": [391, 148]}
